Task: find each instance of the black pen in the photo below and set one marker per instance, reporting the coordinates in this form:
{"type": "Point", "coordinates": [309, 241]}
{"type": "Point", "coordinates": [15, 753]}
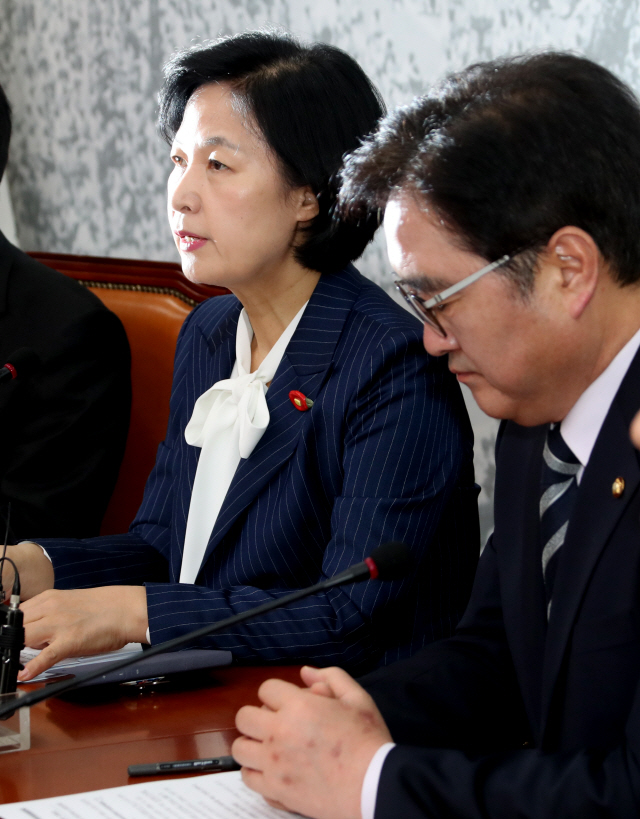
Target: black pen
{"type": "Point", "coordinates": [220, 763]}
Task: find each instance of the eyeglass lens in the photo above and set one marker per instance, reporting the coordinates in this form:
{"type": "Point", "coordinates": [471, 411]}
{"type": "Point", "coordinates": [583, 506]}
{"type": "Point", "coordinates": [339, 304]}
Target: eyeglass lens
{"type": "Point", "coordinates": [425, 315]}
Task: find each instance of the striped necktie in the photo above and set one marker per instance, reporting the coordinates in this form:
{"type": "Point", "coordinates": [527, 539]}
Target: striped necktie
{"type": "Point", "coordinates": [559, 488]}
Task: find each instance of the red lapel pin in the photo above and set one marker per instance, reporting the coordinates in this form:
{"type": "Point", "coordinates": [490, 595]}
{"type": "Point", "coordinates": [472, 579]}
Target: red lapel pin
{"type": "Point", "coordinates": [300, 401]}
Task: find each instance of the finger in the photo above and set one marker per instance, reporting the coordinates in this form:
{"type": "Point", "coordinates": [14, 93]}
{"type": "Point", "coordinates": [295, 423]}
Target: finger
{"type": "Point", "coordinates": [49, 656]}
{"type": "Point", "coordinates": [341, 685]}
{"type": "Point", "coordinates": [257, 781]}
{"type": "Point", "coordinates": [254, 722]}
{"type": "Point", "coordinates": [311, 677]}
{"type": "Point", "coordinates": [310, 674]}
{"type": "Point", "coordinates": [322, 689]}
{"type": "Point", "coordinates": [41, 632]}
{"type": "Point", "coordinates": [275, 804]}
{"type": "Point", "coordinates": [253, 779]}
{"type": "Point", "coordinates": [248, 753]}
{"type": "Point", "coordinates": [275, 693]}
{"type": "Point", "coordinates": [635, 431]}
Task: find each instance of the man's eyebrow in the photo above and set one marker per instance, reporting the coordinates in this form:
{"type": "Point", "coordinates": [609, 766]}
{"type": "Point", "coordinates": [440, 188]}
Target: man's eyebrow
{"type": "Point", "coordinates": [427, 285]}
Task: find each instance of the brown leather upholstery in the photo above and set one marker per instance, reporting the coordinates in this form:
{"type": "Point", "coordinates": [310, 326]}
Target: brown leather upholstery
{"type": "Point", "coordinates": [152, 300]}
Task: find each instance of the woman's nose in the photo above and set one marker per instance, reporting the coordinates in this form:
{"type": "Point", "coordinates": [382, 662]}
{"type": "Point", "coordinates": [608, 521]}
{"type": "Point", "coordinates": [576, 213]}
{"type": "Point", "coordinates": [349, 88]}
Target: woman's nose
{"type": "Point", "coordinates": [183, 193]}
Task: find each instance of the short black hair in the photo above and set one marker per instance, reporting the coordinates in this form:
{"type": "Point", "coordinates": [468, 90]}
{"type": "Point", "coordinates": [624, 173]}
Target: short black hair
{"type": "Point", "coordinates": [5, 130]}
{"type": "Point", "coordinates": [312, 104]}
{"type": "Point", "coordinates": [509, 151]}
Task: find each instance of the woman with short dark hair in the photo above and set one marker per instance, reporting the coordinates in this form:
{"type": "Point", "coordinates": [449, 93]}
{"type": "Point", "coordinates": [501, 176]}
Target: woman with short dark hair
{"type": "Point", "coordinates": [307, 424]}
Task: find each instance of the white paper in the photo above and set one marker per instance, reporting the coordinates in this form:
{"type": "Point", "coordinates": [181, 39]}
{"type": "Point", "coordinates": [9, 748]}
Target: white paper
{"type": "Point", "coordinates": [215, 796]}
{"type": "Point", "coordinates": [73, 664]}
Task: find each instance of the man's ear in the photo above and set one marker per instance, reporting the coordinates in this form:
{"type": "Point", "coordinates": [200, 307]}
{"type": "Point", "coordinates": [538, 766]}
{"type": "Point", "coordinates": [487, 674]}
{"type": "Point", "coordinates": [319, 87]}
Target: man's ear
{"type": "Point", "coordinates": [576, 257]}
{"type": "Point", "coordinates": [308, 207]}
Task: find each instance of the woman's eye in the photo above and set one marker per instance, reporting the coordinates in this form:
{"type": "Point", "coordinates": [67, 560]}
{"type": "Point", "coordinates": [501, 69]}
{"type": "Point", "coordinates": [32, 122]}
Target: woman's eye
{"type": "Point", "coordinates": [178, 160]}
{"type": "Point", "coordinates": [216, 165]}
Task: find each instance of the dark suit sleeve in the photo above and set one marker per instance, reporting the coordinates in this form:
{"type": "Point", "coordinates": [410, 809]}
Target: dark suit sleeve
{"type": "Point", "coordinates": [527, 784]}
{"type": "Point", "coordinates": [406, 417]}
{"type": "Point", "coordinates": [459, 701]}
{"type": "Point", "coordinates": [69, 432]}
{"type": "Point", "coordinates": [460, 692]}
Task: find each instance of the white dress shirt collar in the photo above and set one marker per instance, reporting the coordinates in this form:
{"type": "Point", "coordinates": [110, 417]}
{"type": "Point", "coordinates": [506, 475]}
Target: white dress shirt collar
{"type": "Point", "coordinates": [583, 422]}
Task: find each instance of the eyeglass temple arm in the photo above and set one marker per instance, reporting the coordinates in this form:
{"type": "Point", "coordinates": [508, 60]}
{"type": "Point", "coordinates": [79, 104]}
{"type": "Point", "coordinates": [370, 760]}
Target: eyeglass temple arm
{"type": "Point", "coordinates": [450, 291]}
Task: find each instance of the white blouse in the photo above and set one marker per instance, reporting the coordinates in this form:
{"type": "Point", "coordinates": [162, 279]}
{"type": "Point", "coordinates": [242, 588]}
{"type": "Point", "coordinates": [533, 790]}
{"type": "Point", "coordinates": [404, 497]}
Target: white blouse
{"type": "Point", "coordinates": [227, 422]}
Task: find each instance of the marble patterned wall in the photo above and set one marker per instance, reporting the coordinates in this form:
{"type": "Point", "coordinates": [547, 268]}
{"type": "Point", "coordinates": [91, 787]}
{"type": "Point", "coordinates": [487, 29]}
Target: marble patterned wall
{"type": "Point", "coordinates": [87, 172]}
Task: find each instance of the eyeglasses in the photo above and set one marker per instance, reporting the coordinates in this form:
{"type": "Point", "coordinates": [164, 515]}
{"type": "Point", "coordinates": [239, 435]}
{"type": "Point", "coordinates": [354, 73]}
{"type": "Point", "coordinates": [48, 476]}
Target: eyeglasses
{"type": "Point", "coordinates": [426, 309]}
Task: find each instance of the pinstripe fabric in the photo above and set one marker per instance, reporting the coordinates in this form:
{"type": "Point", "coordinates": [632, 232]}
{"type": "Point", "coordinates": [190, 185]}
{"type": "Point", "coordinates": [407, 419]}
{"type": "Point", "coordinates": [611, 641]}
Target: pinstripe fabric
{"type": "Point", "coordinates": [385, 453]}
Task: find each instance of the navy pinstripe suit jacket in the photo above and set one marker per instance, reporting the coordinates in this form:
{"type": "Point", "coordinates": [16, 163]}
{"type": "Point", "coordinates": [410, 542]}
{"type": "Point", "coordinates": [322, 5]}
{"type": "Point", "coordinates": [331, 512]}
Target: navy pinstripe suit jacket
{"type": "Point", "coordinates": [385, 453]}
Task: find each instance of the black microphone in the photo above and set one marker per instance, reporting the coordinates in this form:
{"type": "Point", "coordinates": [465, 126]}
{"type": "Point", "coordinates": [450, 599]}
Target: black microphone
{"type": "Point", "coordinates": [11, 644]}
{"type": "Point", "coordinates": [388, 562]}
{"type": "Point", "coordinates": [21, 364]}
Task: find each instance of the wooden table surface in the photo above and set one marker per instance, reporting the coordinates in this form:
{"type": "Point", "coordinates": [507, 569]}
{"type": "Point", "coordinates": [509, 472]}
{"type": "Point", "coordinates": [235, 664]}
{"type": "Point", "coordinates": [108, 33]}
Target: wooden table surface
{"type": "Point", "coordinates": [86, 746]}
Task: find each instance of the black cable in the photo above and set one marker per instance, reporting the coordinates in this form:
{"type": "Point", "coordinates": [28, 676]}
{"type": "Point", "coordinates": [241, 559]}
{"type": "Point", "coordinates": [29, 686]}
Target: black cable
{"type": "Point", "coordinates": [15, 591]}
{"type": "Point", "coordinates": [4, 551]}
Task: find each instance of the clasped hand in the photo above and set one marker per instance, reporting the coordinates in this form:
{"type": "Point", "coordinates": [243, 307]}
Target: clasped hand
{"type": "Point", "coordinates": [308, 749]}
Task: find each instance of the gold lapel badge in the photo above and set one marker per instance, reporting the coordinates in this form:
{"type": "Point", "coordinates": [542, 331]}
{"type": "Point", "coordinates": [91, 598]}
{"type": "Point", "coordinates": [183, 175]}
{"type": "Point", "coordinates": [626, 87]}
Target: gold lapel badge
{"type": "Point", "coordinates": [617, 487]}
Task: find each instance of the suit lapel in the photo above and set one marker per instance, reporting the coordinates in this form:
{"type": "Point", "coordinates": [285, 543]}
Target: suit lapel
{"type": "Point", "coordinates": [593, 520]}
{"type": "Point", "coordinates": [213, 365]}
{"type": "Point", "coordinates": [520, 561]}
{"type": "Point", "coordinates": [305, 366]}
{"type": "Point", "coordinates": [6, 260]}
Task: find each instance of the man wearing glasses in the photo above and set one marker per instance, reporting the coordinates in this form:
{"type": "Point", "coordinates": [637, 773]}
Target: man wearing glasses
{"type": "Point", "coordinates": [512, 213]}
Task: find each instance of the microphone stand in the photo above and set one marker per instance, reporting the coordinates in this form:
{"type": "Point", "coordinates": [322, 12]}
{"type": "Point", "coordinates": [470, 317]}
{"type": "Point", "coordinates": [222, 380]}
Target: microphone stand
{"type": "Point", "coordinates": [392, 562]}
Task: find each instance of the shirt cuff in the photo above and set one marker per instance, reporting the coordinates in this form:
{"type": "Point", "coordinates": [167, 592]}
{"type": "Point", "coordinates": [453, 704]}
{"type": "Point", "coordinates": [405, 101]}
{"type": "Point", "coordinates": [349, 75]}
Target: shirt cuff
{"type": "Point", "coordinates": [148, 637]}
{"type": "Point", "coordinates": [369, 792]}
{"type": "Point", "coordinates": [46, 554]}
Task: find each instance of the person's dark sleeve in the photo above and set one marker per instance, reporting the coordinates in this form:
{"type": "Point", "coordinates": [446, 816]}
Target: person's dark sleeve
{"type": "Point", "coordinates": [524, 784]}
{"type": "Point", "coordinates": [460, 692]}
{"type": "Point", "coordinates": [405, 424]}
{"type": "Point", "coordinates": [112, 560]}
{"type": "Point", "coordinates": [69, 433]}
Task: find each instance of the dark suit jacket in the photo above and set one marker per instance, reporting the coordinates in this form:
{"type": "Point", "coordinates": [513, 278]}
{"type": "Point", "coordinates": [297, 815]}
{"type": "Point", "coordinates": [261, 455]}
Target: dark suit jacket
{"type": "Point", "coordinates": [571, 688]}
{"type": "Point", "coordinates": [385, 453]}
{"type": "Point", "coordinates": [64, 429]}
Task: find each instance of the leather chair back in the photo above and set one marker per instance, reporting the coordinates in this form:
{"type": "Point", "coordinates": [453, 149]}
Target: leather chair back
{"type": "Point", "coordinates": [152, 299]}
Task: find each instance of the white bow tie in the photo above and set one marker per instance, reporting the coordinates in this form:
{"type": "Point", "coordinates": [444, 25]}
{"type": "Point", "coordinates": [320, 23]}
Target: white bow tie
{"type": "Point", "coordinates": [227, 422]}
{"type": "Point", "coordinates": [232, 401]}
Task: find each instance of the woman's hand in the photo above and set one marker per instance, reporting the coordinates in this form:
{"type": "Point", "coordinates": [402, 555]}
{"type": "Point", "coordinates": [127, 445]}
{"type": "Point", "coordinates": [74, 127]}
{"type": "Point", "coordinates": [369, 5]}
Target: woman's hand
{"type": "Point", "coordinates": [82, 621]}
{"type": "Point", "coordinates": [34, 568]}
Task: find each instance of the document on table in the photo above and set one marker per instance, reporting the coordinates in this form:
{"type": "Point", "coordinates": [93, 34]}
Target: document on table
{"type": "Point", "coordinates": [74, 664]}
{"type": "Point", "coordinates": [214, 796]}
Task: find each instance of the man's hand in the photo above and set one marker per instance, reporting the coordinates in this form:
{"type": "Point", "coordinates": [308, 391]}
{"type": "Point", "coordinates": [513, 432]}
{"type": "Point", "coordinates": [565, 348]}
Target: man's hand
{"type": "Point", "coordinates": [308, 750]}
{"type": "Point", "coordinates": [635, 431]}
{"type": "Point", "coordinates": [34, 568]}
{"type": "Point", "coordinates": [82, 621]}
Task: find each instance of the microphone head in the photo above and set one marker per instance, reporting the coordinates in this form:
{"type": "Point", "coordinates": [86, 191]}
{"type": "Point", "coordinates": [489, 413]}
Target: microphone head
{"type": "Point", "coordinates": [24, 361]}
{"type": "Point", "coordinates": [392, 560]}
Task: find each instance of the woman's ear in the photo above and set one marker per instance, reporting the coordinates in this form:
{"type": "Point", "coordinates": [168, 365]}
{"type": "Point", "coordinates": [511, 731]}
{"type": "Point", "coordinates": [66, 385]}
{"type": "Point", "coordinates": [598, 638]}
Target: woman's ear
{"type": "Point", "coordinates": [308, 207]}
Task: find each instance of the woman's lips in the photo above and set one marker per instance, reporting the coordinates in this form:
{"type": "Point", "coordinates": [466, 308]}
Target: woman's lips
{"type": "Point", "coordinates": [189, 241]}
